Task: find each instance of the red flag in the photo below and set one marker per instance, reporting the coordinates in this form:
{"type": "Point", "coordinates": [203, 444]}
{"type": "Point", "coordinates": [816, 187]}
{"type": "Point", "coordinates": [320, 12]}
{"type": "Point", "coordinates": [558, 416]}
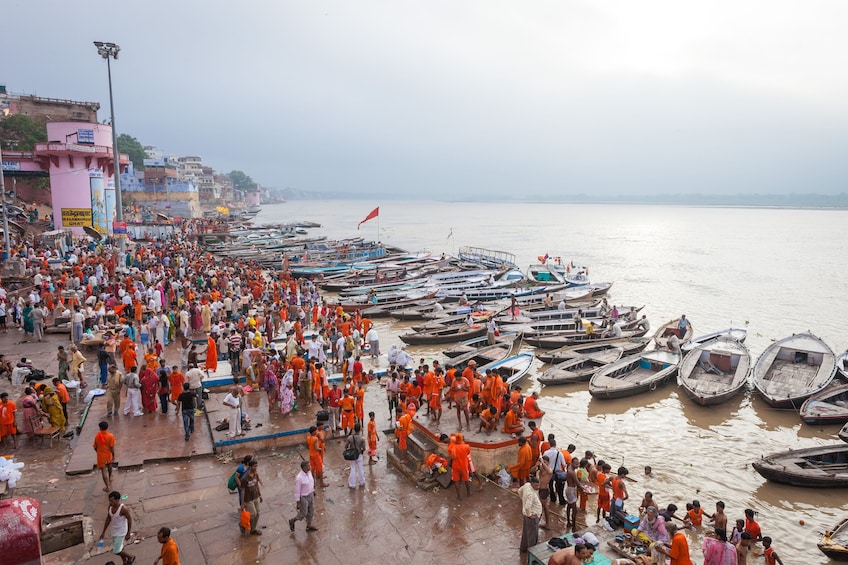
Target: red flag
{"type": "Point", "coordinates": [374, 213]}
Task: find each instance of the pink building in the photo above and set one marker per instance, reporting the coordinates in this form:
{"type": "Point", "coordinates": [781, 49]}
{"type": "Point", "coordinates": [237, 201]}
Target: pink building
{"type": "Point", "coordinates": [78, 157]}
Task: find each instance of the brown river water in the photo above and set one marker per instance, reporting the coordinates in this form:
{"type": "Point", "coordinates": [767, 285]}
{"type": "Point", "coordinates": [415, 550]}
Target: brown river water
{"type": "Point", "coordinates": [776, 271]}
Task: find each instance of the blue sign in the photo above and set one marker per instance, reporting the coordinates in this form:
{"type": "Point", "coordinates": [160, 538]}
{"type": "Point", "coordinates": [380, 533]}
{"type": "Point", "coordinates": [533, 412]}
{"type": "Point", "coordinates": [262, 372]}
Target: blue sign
{"type": "Point", "coordinates": [85, 136]}
{"type": "Point", "coordinates": [11, 165]}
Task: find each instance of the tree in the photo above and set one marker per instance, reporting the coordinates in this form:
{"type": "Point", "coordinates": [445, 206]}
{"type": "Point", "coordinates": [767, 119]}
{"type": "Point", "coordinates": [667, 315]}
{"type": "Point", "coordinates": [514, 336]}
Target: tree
{"type": "Point", "coordinates": [132, 147]}
{"type": "Point", "coordinates": [241, 181]}
{"type": "Point", "coordinates": [21, 132]}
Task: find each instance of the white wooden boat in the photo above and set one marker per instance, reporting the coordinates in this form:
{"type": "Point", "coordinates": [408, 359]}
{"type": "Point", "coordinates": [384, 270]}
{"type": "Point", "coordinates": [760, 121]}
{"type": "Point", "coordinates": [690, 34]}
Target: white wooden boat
{"type": "Point", "coordinates": [672, 327]}
{"type": "Point", "coordinates": [794, 368]}
{"type": "Point", "coordinates": [512, 369]}
{"type": "Point", "coordinates": [715, 371]}
{"type": "Point", "coordinates": [842, 365]}
{"type": "Point", "coordinates": [637, 373]}
{"type": "Point", "coordinates": [580, 368]}
{"type": "Point", "coordinates": [738, 334]}
{"type": "Point", "coordinates": [829, 406]}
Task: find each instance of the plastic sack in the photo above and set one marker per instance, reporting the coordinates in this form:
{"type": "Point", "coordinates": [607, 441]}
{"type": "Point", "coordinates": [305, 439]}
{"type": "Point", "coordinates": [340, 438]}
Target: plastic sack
{"type": "Point", "coordinates": [504, 478]}
{"type": "Point", "coordinates": [244, 522]}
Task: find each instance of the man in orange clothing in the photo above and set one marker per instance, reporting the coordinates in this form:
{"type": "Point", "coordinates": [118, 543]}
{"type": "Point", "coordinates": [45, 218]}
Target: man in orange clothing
{"type": "Point", "coordinates": [7, 419]}
{"type": "Point", "coordinates": [459, 390]}
{"type": "Point", "coordinates": [170, 554]}
{"type": "Point", "coordinates": [437, 383]}
{"type": "Point", "coordinates": [531, 406]}
{"type": "Point", "coordinates": [104, 446]}
{"type": "Point", "coordinates": [316, 454]}
{"type": "Point", "coordinates": [359, 404]}
{"type": "Point", "coordinates": [402, 429]}
{"type": "Point", "coordinates": [535, 440]}
{"type": "Point", "coordinates": [460, 454]}
{"type": "Point", "coordinates": [512, 422]}
{"type": "Point", "coordinates": [678, 549]}
{"type": "Point", "coordinates": [521, 469]}
{"type": "Point", "coordinates": [347, 405]}
{"type": "Point", "coordinates": [64, 396]}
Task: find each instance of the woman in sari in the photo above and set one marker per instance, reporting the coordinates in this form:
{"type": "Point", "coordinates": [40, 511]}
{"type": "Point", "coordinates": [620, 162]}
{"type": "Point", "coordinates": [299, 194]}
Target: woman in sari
{"type": "Point", "coordinates": [51, 405]}
{"type": "Point", "coordinates": [29, 325]}
{"type": "Point", "coordinates": [287, 398]}
{"type": "Point", "coordinates": [195, 317]}
{"type": "Point", "coordinates": [149, 388]}
{"type": "Point", "coordinates": [272, 387]}
{"type": "Point", "coordinates": [31, 410]}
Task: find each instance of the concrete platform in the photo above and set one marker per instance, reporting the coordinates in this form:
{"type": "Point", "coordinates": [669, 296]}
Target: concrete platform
{"type": "Point", "coordinates": [139, 439]}
{"type": "Point", "coordinates": [487, 450]}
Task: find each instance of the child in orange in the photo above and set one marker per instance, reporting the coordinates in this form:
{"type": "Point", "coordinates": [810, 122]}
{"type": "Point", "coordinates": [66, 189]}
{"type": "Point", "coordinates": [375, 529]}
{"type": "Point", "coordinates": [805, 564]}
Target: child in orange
{"type": "Point", "coordinates": [373, 438]}
{"type": "Point", "coordinates": [696, 514]}
{"type": "Point", "coordinates": [7, 419]}
{"type": "Point", "coordinates": [359, 405]}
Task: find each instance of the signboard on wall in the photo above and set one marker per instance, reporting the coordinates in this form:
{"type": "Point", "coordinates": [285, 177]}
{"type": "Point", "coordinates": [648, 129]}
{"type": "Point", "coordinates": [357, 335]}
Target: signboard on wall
{"type": "Point", "coordinates": [85, 136]}
{"type": "Point", "coordinates": [76, 217]}
{"type": "Point", "coordinates": [11, 165]}
{"type": "Point", "coordinates": [119, 228]}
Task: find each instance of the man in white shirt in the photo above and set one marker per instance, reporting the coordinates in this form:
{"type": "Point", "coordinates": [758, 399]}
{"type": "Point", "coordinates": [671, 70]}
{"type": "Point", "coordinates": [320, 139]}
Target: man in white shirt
{"type": "Point", "coordinates": [304, 496]}
{"type": "Point", "coordinates": [133, 394]}
{"type": "Point", "coordinates": [194, 377]}
{"type": "Point", "coordinates": [374, 341]}
{"type": "Point", "coordinates": [233, 403]}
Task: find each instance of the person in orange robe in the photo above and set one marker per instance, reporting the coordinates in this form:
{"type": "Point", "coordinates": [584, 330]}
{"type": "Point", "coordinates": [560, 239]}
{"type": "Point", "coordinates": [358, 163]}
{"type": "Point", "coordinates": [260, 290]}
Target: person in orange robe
{"type": "Point", "coordinates": [316, 454]}
{"type": "Point", "coordinates": [129, 357]}
{"type": "Point", "coordinates": [211, 355]}
{"type": "Point", "coordinates": [512, 422]}
{"type": "Point", "coordinates": [531, 406]}
{"type": "Point", "coordinates": [176, 380]}
{"type": "Point", "coordinates": [494, 386]}
{"type": "Point", "coordinates": [347, 405]}
{"type": "Point", "coordinates": [427, 389]}
{"type": "Point", "coordinates": [403, 426]}
{"type": "Point", "coordinates": [603, 491]}
{"type": "Point", "coordinates": [373, 438]}
{"type": "Point", "coordinates": [359, 405]}
{"type": "Point", "coordinates": [535, 440]}
{"type": "Point", "coordinates": [437, 383]}
{"type": "Point", "coordinates": [521, 469]}
{"type": "Point", "coordinates": [460, 453]}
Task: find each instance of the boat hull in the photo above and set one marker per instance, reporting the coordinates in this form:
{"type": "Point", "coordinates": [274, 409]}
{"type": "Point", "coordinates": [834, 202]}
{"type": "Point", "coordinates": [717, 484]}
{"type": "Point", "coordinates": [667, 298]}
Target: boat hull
{"type": "Point", "coordinates": [816, 467]}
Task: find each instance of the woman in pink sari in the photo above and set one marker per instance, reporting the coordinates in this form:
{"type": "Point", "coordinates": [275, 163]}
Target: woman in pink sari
{"type": "Point", "coordinates": [717, 550]}
{"type": "Point", "coordinates": [149, 388]}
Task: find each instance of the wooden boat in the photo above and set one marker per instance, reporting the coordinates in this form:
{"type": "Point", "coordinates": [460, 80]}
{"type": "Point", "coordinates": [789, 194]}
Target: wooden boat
{"type": "Point", "coordinates": [542, 273]}
{"type": "Point", "coordinates": [738, 334]}
{"type": "Point", "coordinates": [444, 335]}
{"type": "Point", "coordinates": [825, 466]}
{"type": "Point", "coordinates": [829, 406]}
{"type": "Point", "coordinates": [843, 433]}
{"type": "Point", "coordinates": [637, 373]}
{"type": "Point", "coordinates": [713, 372]}
{"type": "Point", "coordinates": [482, 356]}
{"type": "Point", "coordinates": [414, 313]}
{"type": "Point", "coordinates": [842, 365]}
{"type": "Point", "coordinates": [512, 369]}
{"type": "Point", "coordinates": [396, 300]}
{"type": "Point", "coordinates": [580, 368]}
{"type": "Point", "coordinates": [553, 314]}
{"type": "Point", "coordinates": [479, 317]}
{"type": "Point", "coordinates": [558, 340]}
{"type": "Point", "coordinates": [628, 347]}
{"type": "Point", "coordinates": [794, 368]}
{"type": "Point", "coordinates": [669, 328]}
{"type": "Point", "coordinates": [834, 542]}
{"type": "Point", "coordinates": [476, 343]}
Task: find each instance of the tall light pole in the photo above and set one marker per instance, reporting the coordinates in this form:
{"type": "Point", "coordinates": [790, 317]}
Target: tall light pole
{"type": "Point", "coordinates": [110, 51]}
{"type": "Point", "coordinates": [6, 247]}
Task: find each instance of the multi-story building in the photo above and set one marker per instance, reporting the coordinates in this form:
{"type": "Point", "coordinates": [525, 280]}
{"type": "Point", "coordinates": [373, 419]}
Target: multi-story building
{"type": "Point", "coordinates": [47, 109]}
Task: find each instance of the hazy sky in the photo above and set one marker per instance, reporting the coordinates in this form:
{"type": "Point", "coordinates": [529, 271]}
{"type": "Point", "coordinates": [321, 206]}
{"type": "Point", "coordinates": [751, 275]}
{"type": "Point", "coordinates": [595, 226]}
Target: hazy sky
{"type": "Point", "coordinates": [456, 98]}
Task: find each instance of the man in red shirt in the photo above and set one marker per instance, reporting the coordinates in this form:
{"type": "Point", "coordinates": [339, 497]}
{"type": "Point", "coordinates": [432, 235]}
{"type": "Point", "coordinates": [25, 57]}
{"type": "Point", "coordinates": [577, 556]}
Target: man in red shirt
{"type": "Point", "coordinates": [333, 398]}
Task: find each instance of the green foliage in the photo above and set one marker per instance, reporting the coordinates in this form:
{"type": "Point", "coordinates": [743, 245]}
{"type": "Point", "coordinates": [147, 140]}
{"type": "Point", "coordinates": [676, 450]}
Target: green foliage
{"type": "Point", "coordinates": [20, 132]}
{"type": "Point", "coordinates": [132, 147]}
{"type": "Point", "coordinates": [241, 181]}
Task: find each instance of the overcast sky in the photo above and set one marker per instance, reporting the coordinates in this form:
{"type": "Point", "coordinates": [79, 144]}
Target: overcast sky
{"type": "Point", "coordinates": [459, 98]}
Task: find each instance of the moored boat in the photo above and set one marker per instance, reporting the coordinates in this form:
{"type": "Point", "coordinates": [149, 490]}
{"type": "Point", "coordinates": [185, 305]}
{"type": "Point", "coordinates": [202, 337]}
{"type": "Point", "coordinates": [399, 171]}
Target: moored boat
{"type": "Point", "coordinates": [580, 368]}
{"type": "Point", "coordinates": [715, 371]}
{"type": "Point", "coordinates": [629, 347]}
{"type": "Point", "coordinates": [792, 369]}
{"type": "Point", "coordinates": [834, 542]}
{"type": "Point", "coordinates": [825, 466]}
{"type": "Point", "coordinates": [557, 340]}
{"type": "Point", "coordinates": [634, 374]}
{"type": "Point", "coordinates": [473, 344]}
{"type": "Point", "coordinates": [738, 334]}
{"type": "Point", "coordinates": [829, 406]}
{"type": "Point", "coordinates": [449, 334]}
{"type": "Point", "coordinates": [672, 327]}
{"type": "Point", "coordinates": [842, 365]}
{"type": "Point", "coordinates": [512, 369]}
{"type": "Point", "coordinates": [482, 356]}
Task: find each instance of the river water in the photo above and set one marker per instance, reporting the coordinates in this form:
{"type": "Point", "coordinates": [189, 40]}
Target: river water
{"type": "Point", "coordinates": [776, 271]}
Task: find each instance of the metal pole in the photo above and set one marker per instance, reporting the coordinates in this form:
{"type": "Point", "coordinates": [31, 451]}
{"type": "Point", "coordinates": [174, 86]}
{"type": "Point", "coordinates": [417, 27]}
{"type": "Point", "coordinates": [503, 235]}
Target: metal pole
{"type": "Point", "coordinates": [6, 247]}
{"type": "Point", "coordinates": [119, 204]}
